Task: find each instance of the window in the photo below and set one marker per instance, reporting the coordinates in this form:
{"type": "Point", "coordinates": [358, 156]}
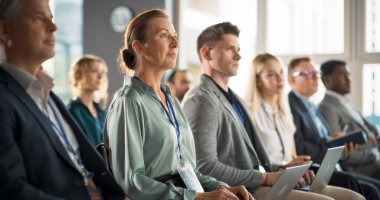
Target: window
{"type": "Point", "coordinates": [372, 19]}
{"type": "Point", "coordinates": [305, 27]}
{"type": "Point", "coordinates": [68, 18]}
{"type": "Point", "coordinates": [196, 15]}
{"type": "Point", "coordinates": [371, 92]}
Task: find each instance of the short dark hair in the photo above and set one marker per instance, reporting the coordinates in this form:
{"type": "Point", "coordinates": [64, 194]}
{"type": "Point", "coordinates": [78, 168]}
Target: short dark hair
{"type": "Point", "coordinates": [329, 67]}
{"type": "Point", "coordinates": [173, 73]}
{"type": "Point", "coordinates": [215, 33]}
{"type": "Point", "coordinates": [296, 61]}
{"type": "Point", "coordinates": [8, 8]}
{"type": "Point", "coordinates": [137, 30]}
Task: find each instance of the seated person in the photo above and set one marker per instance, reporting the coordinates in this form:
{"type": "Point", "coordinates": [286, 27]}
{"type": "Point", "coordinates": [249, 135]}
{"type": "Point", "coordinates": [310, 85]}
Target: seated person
{"type": "Point", "coordinates": [43, 153]}
{"type": "Point", "coordinates": [179, 83]}
{"type": "Point", "coordinates": [336, 108]}
{"type": "Point", "coordinates": [227, 145]}
{"type": "Point", "coordinates": [146, 131]}
{"type": "Point", "coordinates": [274, 123]}
{"type": "Point", "coordinates": [312, 130]}
{"type": "Point", "coordinates": [88, 77]}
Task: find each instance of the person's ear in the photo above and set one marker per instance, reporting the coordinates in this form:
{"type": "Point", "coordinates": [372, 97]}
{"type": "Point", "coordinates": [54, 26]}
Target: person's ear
{"type": "Point", "coordinates": [205, 53]}
{"type": "Point", "coordinates": [4, 32]}
{"type": "Point", "coordinates": [259, 82]}
{"type": "Point", "coordinates": [327, 80]}
{"type": "Point", "coordinates": [137, 47]}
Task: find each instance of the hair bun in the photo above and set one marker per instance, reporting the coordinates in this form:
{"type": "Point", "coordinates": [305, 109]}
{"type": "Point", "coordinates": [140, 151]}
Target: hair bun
{"type": "Point", "coordinates": [129, 58]}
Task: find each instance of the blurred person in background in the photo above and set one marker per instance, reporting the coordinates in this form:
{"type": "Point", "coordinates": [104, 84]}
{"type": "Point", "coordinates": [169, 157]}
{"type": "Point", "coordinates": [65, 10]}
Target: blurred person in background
{"type": "Point", "coordinates": [88, 78]}
{"type": "Point", "coordinates": [179, 82]}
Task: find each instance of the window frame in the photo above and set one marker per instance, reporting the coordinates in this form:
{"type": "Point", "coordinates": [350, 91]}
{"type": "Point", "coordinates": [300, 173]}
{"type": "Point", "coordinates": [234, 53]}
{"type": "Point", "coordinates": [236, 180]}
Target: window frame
{"type": "Point", "coordinates": [354, 45]}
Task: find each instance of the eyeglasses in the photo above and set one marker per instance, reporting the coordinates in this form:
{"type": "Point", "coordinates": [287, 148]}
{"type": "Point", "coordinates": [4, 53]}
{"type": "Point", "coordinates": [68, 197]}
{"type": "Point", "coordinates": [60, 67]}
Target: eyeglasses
{"type": "Point", "coordinates": [307, 73]}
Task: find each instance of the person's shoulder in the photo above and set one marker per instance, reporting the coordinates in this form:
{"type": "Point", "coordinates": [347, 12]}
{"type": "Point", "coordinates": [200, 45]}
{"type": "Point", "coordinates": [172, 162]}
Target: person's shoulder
{"type": "Point", "coordinates": [8, 98]}
{"type": "Point", "coordinates": [200, 92]}
{"type": "Point", "coordinates": [74, 104]}
{"type": "Point", "coordinates": [129, 92]}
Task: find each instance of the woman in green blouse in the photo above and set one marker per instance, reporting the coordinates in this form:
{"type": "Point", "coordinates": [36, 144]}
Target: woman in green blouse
{"type": "Point", "coordinates": [148, 135]}
{"type": "Point", "coordinates": [88, 77]}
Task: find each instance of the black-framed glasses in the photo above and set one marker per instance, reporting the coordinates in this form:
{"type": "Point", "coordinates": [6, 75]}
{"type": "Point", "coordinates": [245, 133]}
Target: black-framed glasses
{"type": "Point", "coordinates": [307, 73]}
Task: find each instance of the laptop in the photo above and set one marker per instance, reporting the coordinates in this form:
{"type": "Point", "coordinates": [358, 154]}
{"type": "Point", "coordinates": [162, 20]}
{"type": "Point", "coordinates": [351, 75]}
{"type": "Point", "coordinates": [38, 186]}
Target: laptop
{"type": "Point", "coordinates": [325, 170]}
{"type": "Point", "coordinates": [286, 182]}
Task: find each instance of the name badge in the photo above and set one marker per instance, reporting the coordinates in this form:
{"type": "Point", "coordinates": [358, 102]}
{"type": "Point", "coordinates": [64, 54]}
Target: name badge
{"type": "Point", "coordinates": [261, 169]}
{"type": "Point", "coordinates": [189, 178]}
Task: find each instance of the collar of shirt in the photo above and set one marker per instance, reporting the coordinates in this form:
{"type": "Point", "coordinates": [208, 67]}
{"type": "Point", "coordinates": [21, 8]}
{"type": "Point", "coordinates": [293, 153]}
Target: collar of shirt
{"type": "Point", "coordinates": [229, 96]}
{"type": "Point", "coordinates": [268, 109]}
{"type": "Point", "coordinates": [37, 87]}
{"type": "Point", "coordinates": [346, 103]}
{"type": "Point", "coordinates": [308, 104]}
{"type": "Point", "coordinates": [138, 84]}
{"type": "Point", "coordinates": [340, 97]}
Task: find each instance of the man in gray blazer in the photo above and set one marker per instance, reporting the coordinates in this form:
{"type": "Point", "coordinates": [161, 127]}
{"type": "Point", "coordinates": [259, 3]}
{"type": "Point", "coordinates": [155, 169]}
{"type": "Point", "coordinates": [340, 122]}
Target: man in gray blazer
{"type": "Point", "coordinates": [340, 114]}
{"type": "Point", "coordinates": [336, 108]}
{"type": "Point", "coordinates": [226, 143]}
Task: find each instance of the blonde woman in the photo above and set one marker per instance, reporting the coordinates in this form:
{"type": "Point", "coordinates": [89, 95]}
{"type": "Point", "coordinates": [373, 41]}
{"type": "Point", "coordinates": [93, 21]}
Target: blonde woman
{"type": "Point", "coordinates": [273, 120]}
{"type": "Point", "coordinates": [88, 78]}
{"type": "Point", "coordinates": [271, 115]}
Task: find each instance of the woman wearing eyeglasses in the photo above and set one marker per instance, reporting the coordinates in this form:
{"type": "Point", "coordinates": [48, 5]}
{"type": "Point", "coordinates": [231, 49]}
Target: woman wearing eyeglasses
{"type": "Point", "coordinates": [273, 120]}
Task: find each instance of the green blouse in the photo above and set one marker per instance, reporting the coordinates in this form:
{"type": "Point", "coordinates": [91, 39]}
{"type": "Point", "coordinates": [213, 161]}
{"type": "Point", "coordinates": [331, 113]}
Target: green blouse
{"type": "Point", "coordinates": [143, 143]}
{"type": "Point", "coordinates": [92, 127]}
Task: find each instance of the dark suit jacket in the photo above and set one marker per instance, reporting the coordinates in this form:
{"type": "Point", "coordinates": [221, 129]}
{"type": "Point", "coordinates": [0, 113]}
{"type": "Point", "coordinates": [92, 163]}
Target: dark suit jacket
{"type": "Point", "coordinates": [307, 139]}
{"type": "Point", "coordinates": [33, 161]}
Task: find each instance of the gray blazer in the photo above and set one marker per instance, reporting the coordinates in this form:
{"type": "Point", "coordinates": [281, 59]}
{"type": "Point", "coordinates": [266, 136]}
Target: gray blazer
{"type": "Point", "coordinates": [224, 149]}
{"type": "Point", "coordinates": [338, 116]}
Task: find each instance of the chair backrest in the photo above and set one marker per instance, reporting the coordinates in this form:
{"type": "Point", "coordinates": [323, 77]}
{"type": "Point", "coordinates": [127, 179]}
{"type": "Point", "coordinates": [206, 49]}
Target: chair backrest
{"type": "Point", "coordinates": [105, 152]}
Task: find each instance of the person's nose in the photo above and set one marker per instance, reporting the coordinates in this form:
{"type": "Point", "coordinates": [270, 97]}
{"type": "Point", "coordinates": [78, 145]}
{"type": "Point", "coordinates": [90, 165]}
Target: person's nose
{"type": "Point", "coordinates": [52, 27]}
{"type": "Point", "coordinates": [237, 55]}
{"type": "Point", "coordinates": [174, 41]}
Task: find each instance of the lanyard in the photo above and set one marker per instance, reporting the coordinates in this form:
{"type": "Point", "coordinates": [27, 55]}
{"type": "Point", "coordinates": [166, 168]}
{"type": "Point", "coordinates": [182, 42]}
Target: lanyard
{"type": "Point", "coordinates": [63, 135]}
{"type": "Point", "coordinates": [174, 123]}
{"type": "Point", "coordinates": [276, 129]}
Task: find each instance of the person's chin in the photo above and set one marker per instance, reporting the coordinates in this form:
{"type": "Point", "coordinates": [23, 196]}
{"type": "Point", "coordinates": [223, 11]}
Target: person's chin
{"type": "Point", "coordinates": [49, 54]}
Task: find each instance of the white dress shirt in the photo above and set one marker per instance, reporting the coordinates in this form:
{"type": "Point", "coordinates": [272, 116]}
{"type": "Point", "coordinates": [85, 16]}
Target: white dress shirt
{"type": "Point", "coordinates": [273, 132]}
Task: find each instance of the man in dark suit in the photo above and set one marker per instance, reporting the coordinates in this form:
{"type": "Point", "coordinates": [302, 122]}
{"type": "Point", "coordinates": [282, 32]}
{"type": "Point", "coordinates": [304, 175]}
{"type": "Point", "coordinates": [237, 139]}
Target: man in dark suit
{"type": "Point", "coordinates": [313, 131]}
{"type": "Point", "coordinates": [43, 153]}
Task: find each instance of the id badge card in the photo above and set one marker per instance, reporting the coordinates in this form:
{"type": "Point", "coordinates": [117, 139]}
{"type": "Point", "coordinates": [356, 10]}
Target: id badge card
{"type": "Point", "coordinates": [189, 178]}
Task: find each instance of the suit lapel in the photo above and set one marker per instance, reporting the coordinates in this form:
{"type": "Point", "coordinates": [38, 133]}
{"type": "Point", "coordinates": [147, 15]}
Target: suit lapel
{"type": "Point", "coordinates": [337, 103]}
{"type": "Point", "coordinates": [42, 120]}
{"type": "Point", "coordinates": [260, 151]}
{"type": "Point", "coordinates": [227, 105]}
{"type": "Point", "coordinates": [304, 112]}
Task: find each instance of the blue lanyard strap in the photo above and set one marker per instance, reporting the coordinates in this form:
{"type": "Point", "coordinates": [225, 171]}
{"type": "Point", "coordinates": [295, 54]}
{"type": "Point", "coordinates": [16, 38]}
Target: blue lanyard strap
{"type": "Point", "coordinates": [276, 129]}
{"type": "Point", "coordinates": [63, 135]}
{"type": "Point", "coordinates": [175, 123]}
